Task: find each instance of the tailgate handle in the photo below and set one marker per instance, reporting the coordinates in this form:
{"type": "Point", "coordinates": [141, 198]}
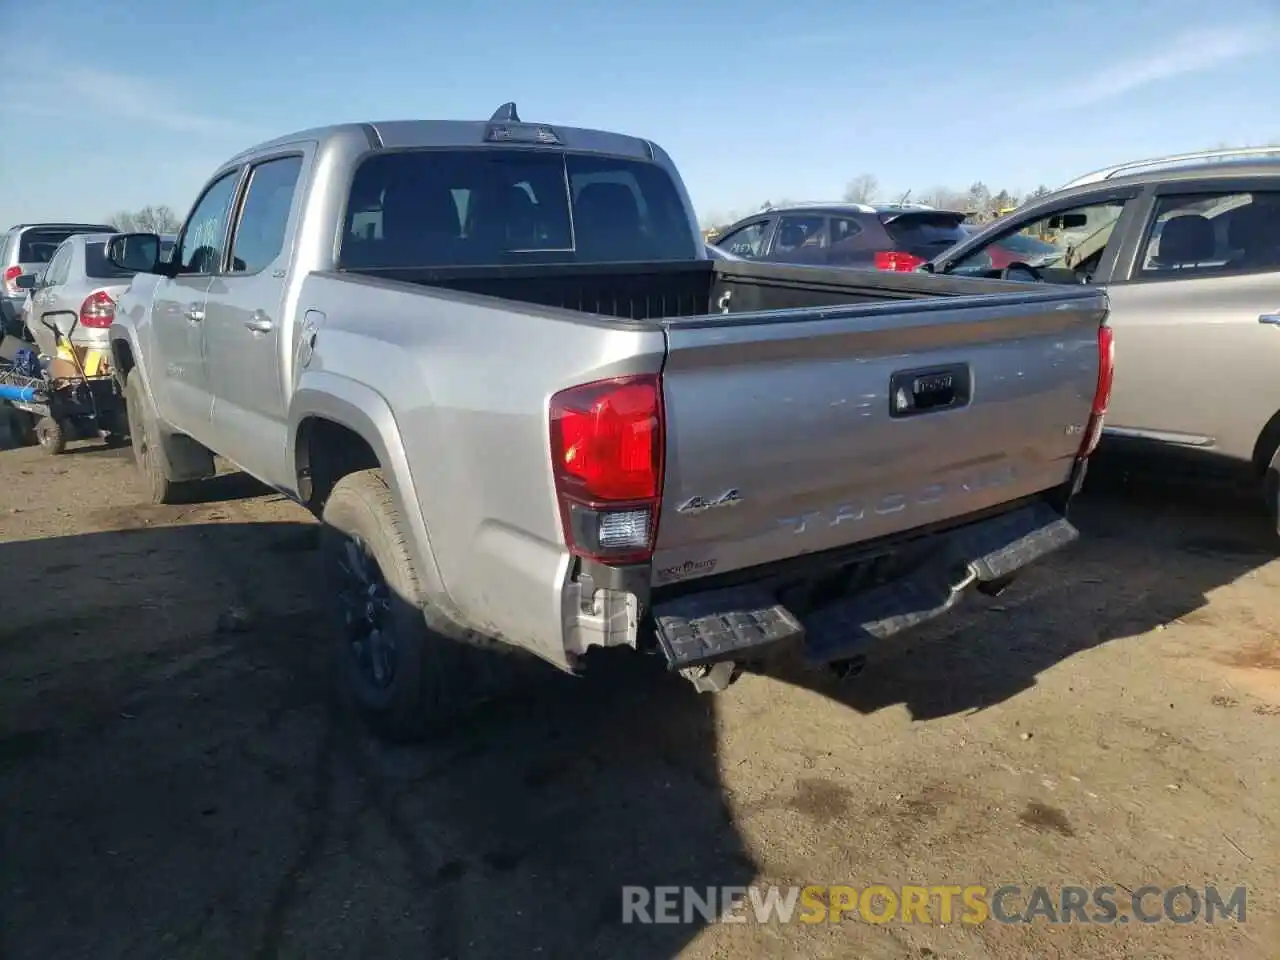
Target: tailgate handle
{"type": "Point", "coordinates": [916, 392]}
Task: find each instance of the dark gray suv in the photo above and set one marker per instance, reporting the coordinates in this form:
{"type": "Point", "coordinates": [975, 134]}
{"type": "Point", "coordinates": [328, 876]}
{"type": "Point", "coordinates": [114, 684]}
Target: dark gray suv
{"type": "Point", "coordinates": [868, 236]}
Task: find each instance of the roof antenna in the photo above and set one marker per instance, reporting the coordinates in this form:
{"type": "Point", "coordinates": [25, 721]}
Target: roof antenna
{"type": "Point", "coordinates": [505, 114]}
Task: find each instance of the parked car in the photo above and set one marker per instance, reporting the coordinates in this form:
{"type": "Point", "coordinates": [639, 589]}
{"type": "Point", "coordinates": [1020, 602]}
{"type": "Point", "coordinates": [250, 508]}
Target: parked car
{"type": "Point", "coordinates": [25, 249]}
{"type": "Point", "coordinates": [1015, 248]}
{"type": "Point", "coordinates": [896, 237]}
{"type": "Point", "coordinates": [1188, 250]}
{"type": "Point", "coordinates": [77, 292]}
{"type": "Point", "coordinates": [520, 397]}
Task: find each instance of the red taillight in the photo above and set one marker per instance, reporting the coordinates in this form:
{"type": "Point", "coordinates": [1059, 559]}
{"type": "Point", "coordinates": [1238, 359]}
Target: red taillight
{"type": "Point", "coordinates": [897, 261]}
{"type": "Point", "coordinates": [1102, 394]}
{"type": "Point", "coordinates": [11, 276]}
{"type": "Point", "coordinates": [606, 457]}
{"type": "Point", "coordinates": [97, 311]}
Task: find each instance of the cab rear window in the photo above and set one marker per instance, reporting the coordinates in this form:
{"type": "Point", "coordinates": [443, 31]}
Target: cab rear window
{"type": "Point", "coordinates": [479, 207]}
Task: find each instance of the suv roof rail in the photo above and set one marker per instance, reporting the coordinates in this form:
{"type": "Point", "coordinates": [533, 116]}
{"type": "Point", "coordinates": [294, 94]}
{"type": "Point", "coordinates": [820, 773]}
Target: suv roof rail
{"type": "Point", "coordinates": [845, 204]}
{"type": "Point", "coordinates": [1173, 161]}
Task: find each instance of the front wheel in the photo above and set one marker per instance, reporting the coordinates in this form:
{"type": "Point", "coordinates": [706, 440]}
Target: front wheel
{"type": "Point", "coordinates": [148, 452]}
{"type": "Point", "coordinates": [52, 435]}
{"type": "Point", "coordinates": [406, 678]}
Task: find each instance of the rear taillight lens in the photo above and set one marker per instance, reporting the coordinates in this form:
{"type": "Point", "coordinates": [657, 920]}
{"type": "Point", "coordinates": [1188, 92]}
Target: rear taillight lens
{"type": "Point", "coordinates": [897, 261]}
{"type": "Point", "coordinates": [11, 276]}
{"type": "Point", "coordinates": [97, 311]}
{"type": "Point", "coordinates": [607, 442]}
{"type": "Point", "coordinates": [1102, 394]}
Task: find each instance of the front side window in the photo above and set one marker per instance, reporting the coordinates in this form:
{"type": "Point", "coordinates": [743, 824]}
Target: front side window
{"type": "Point", "coordinates": [746, 241]}
{"type": "Point", "coordinates": [264, 215]}
{"type": "Point", "coordinates": [477, 207]}
{"type": "Point", "coordinates": [1212, 234]}
{"type": "Point", "coordinates": [1075, 238]}
{"type": "Point", "coordinates": [199, 249]}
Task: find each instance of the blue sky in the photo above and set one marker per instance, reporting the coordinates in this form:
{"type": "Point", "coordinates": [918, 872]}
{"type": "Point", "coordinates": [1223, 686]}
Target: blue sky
{"type": "Point", "coordinates": [110, 107]}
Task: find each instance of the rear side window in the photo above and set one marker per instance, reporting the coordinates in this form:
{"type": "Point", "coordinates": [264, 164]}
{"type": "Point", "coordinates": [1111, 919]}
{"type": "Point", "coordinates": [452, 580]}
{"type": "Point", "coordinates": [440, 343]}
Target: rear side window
{"type": "Point", "coordinates": [925, 230]}
{"type": "Point", "coordinates": [493, 206]}
{"type": "Point", "coordinates": [264, 215]}
{"type": "Point", "coordinates": [38, 246]}
{"type": "Point", "coordinates": [1213, 233]}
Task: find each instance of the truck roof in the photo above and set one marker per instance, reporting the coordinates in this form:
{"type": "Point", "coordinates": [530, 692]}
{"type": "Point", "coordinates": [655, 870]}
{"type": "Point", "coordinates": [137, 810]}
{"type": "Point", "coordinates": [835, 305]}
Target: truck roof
{"type": "Point", "coordinates": [399, 134]}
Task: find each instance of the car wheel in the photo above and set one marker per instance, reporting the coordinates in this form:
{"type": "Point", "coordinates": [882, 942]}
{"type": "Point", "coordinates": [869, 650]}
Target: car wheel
{"type": "Point", "coordinates": [148, 454]}
{"type": "Point", "coordinates": [406, 679]}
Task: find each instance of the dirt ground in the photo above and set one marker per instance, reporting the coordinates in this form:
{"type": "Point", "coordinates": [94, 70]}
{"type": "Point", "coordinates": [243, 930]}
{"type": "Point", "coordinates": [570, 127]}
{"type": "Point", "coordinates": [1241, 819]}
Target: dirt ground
{"type": "Point", "coordinates": [178, 780]}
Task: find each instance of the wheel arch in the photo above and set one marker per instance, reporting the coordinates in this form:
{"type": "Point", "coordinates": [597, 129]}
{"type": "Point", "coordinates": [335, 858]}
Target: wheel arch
{"type": "Point", "coordinates": [339, 426]}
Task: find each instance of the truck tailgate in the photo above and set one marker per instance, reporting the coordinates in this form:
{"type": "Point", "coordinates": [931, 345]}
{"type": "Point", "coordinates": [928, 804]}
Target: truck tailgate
{"type": "Point", "coordinates": [791, 432]}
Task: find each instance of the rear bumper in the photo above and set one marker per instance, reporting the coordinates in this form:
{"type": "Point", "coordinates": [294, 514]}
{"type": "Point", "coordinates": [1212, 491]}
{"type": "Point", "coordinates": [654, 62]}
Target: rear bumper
{"type": "Point", "coordinates": [834, 615]}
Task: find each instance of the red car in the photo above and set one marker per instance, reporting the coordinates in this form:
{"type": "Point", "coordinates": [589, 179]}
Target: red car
{"type": "Point", "coordinates": [1017, 248]}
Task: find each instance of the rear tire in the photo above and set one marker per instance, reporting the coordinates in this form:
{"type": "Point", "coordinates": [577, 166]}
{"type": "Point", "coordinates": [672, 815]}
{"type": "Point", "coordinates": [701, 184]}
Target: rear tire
{"type": "Point", "coordinates": [148, 453]}
{"type": "Point", "coordinates": [406, 678]}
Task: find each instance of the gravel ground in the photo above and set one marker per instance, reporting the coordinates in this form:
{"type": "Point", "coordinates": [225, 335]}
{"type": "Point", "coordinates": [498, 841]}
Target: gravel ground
{"type": "Point", "coordinates": [177, 778]}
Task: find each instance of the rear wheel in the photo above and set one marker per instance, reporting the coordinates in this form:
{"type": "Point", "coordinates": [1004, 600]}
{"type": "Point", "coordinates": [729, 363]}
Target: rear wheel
{"type": "Point", "coordinates": [148, 453]}
{"type": "Point", "coordinates": [406, 678]}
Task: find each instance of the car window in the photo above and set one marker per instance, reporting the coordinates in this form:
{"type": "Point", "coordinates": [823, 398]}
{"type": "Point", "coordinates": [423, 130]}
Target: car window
{"type": "Point", "coordinates": [39, 246]}
{"type": "Point", "coordinates": [746, 241]}
{"type": "Point", "coordinates": [264, 215]}
{"type": "Point", "coordinates": [800, 232]}
{"type": "Point", "coordinates": [98, 267]}
{"type": "Point", "coordinates": [59, 267]}
{"type": "Point", "coordinates": [1212, 233]}
{"type": "Point", "coordinates": [469, 207]}
{"type": "Point", "coordinates": [844, 228]}
{"type": "Point", "coordinates": [199, 248]}
{"type": "Point", "coordinates": [1076, 238]}
{"type": "Point", "coordinates": [927, 232]}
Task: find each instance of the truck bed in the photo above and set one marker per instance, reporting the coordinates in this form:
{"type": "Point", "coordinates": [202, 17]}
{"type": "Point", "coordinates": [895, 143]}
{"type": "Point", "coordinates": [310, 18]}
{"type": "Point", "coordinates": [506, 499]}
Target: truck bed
{"type": "Point", "coordinates": [693, 289]}
{"type": "Point", "coordinates": [804, 412]}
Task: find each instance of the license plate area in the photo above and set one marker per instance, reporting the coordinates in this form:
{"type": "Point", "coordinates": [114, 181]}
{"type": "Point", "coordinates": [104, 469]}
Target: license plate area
{"type": "Point", "coordinates": [916, 392]}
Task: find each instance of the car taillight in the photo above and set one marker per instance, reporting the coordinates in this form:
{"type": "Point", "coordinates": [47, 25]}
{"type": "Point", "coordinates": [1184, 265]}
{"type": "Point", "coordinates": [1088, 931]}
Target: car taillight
{"type": "Point", "coordinates": [1102, 394]}
{"type": "Point", "coordinates": [897, 261]}
{"type": "Point", "coordinates": [97, 311]}
{"type": "Point", "coordinates": [11, 276]}
{"type": "Point", "coordinates": [607, 444]}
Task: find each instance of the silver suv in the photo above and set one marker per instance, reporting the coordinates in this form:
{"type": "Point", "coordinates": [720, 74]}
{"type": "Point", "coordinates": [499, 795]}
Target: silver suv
{"type": "Point", "coordinates": [1188, 248]}
{"type": "Point", "coordinates": [25, 250]}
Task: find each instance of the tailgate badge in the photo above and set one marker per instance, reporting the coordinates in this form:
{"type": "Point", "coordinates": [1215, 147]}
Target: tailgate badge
{"type": "Point", "coordinates": [730, 498]}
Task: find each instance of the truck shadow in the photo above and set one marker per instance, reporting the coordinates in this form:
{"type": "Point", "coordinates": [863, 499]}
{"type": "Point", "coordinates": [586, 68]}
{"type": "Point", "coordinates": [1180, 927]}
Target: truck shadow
{"type": "Point", "coordinates": [1149, 553]}
{"type": "Point", "coordinates": [183, 780]}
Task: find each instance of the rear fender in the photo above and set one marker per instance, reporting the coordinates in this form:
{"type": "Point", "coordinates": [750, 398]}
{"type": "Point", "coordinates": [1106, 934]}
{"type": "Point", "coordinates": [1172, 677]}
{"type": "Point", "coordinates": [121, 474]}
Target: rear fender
{"type": "Point", "coordinates": [364, 411]}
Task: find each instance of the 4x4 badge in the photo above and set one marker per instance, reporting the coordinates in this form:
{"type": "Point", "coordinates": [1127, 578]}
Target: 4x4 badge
{"type": "Point", "coordinates": [730, 498]}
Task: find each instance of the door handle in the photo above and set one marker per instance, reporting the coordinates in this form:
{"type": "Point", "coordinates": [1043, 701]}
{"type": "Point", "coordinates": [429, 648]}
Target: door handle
{"type": "Point", "coordinates": [1270, 318]}
{"type": "Point", "coordinates": [259, 322]}
{"type": "Point", "coordinates": [195, 313]}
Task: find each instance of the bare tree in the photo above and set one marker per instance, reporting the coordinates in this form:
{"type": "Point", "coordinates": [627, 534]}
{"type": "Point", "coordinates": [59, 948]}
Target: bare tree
{"type": "Point", "coordinates": [149, 219]}
{"type": "Point", "coordinates": [862, 188]}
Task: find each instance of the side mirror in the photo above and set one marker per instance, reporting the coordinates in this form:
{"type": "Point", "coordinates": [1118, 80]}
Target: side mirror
{"type": "Point", "coordinates": [139, 252]}
{"type": "Point", "coordinates": [26, 282]}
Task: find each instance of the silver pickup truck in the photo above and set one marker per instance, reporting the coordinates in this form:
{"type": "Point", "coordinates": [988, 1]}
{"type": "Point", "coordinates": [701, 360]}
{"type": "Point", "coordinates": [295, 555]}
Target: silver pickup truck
{"type": "Point", "coordinates": [496, 360]}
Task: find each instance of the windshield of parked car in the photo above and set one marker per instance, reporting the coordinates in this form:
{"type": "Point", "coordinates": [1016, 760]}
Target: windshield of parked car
{"type": "Point", "coordinates": [472, 207]}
